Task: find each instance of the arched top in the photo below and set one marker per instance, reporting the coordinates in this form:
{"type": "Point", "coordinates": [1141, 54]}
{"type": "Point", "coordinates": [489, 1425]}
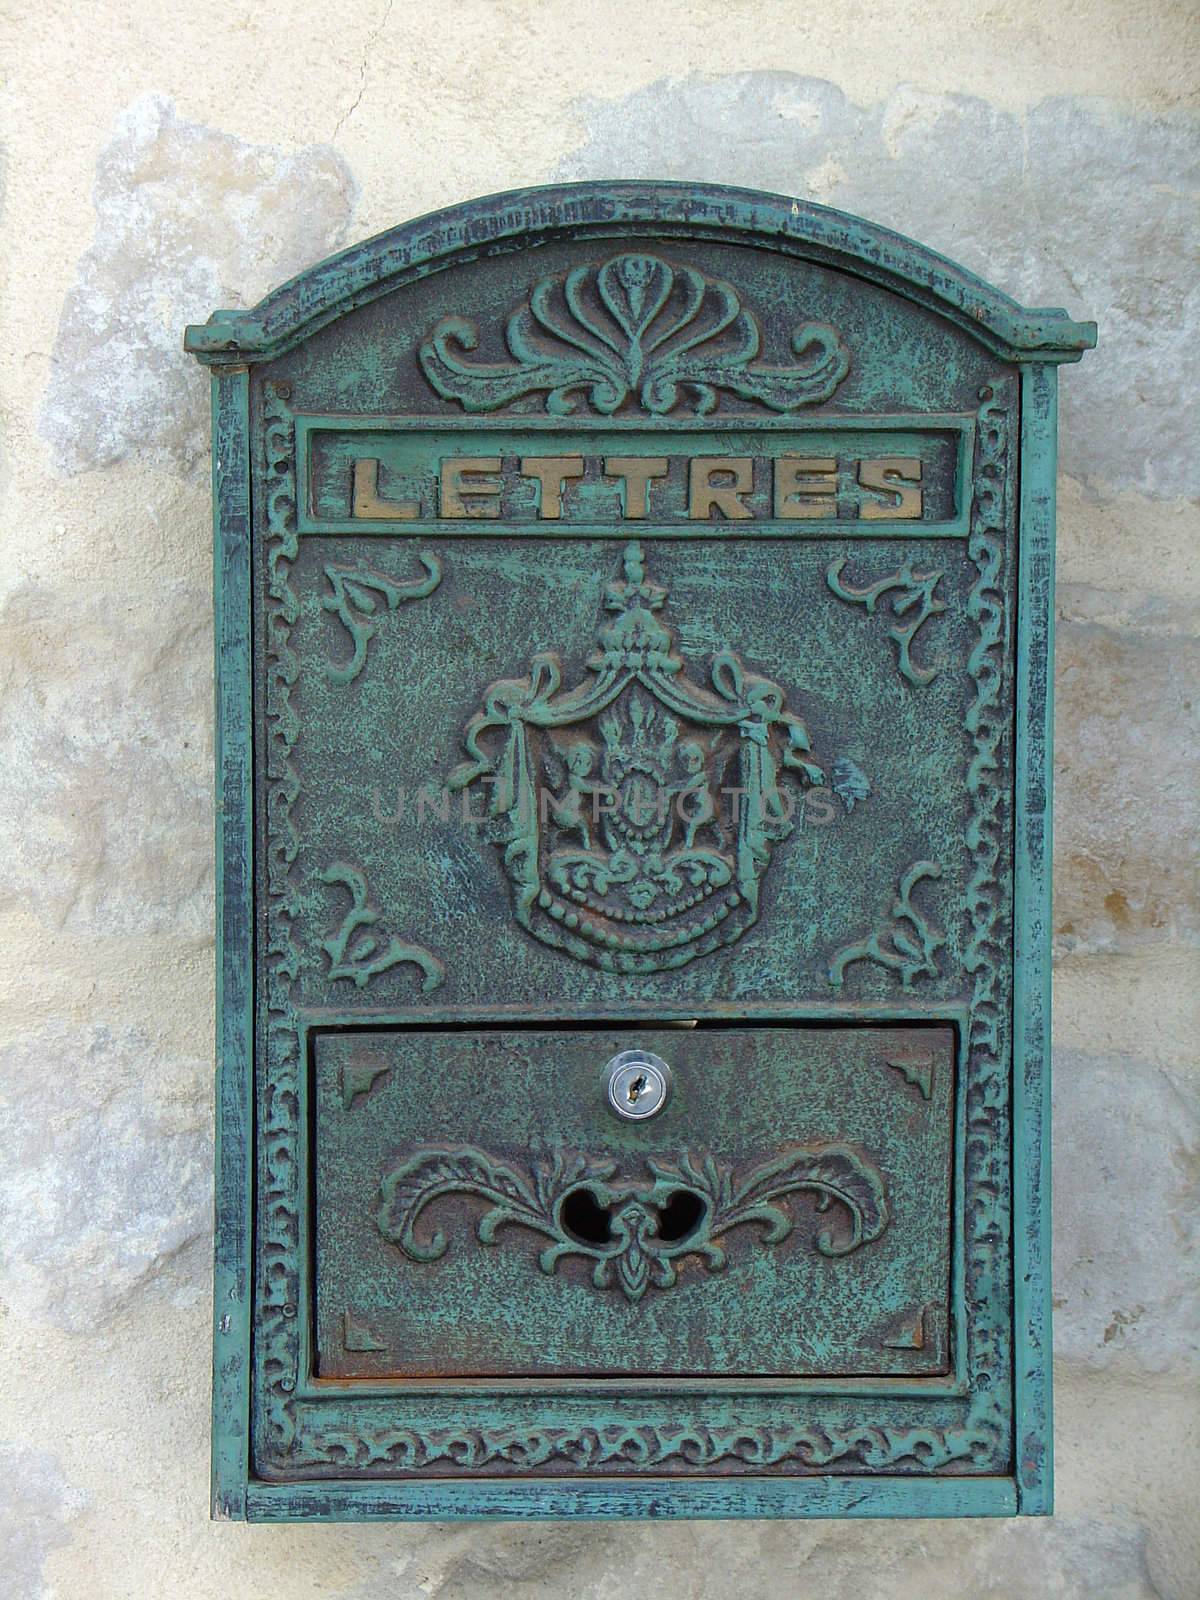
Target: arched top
{"type": "Point", "coordinates": [522, 218]}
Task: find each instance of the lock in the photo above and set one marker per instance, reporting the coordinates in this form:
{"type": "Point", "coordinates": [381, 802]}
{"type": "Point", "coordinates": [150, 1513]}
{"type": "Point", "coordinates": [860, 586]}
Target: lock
{"type": "Point", "coordinates": [638, 1083]}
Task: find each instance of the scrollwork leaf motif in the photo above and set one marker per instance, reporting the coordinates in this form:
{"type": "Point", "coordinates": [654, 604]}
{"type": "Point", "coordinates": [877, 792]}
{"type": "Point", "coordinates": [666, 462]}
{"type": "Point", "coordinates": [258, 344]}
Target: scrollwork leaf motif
{"type": "Point", "coordinates": [634, 326]}
{"type": "Point", "coordinates": [354, 596]}
{"type": "Point", "coordinates": [636, 1254]}
{"type": "Point", "coordinates": [370, 954]}
{"type": "Point", "coordinates": [516, 1197]}
{"type": "Point", "coordinates": [909, 954]}
{"type": "Point", "coordinates": [910, 589]}
{"type": "Point", "coordinates": [834, 1173]}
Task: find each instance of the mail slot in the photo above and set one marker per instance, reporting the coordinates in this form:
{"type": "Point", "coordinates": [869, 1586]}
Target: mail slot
{"type": "Point", "coordinates": [633, 627]}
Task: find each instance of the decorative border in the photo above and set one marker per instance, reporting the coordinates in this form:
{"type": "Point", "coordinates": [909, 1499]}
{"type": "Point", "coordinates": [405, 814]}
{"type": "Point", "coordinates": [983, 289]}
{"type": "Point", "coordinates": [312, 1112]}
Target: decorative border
{"type": "Point", "coordinates": [277, 1346]}
{"type": "Point", "coordinates": [282, 1446]}
{"type": "Point", "coordinates": [988, 1134]}
{"type": "Point", "coordinates": [646, 1446]}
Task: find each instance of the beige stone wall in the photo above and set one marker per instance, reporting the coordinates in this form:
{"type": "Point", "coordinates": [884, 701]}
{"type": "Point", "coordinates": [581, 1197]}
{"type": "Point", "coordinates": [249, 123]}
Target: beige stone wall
{"type": "Point", "coordinates": [163, 157]}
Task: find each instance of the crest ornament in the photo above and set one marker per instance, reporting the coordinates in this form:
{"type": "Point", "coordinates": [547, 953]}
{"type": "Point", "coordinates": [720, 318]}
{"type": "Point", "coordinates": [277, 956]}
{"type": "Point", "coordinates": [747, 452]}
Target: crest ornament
{"type": "Point", "coordinates": [634, 327]}
{"type": "Point", "coordinates": [637, 810]}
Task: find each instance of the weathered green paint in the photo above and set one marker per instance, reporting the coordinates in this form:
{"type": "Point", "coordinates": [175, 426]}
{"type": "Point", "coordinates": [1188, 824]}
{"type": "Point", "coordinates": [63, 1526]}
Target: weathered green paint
{"type": "Point", "coordinates": [657, 1498]}
{"type": "Point", "coordinates": [876, 679]}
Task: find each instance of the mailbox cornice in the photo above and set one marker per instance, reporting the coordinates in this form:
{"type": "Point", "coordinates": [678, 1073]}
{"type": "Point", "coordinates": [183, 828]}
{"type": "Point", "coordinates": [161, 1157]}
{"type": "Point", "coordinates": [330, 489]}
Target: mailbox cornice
{"type": "Point", "coordinates": [525, 218]}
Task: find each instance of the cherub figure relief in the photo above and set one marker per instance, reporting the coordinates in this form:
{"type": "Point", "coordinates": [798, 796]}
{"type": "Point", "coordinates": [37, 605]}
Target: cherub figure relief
{"type": "Point", "coordinates": [694, 800]}
{"type": "Point", "coordinates": [571, 810]}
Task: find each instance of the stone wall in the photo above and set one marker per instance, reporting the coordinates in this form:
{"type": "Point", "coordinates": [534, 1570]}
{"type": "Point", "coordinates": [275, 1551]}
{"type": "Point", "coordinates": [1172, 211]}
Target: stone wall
{"type": "Point", "coordinates": [161, 159]}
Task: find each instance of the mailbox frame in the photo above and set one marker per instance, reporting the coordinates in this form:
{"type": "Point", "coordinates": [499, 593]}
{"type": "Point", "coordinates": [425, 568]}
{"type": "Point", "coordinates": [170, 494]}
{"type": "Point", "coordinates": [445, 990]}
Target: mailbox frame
{"type": "Point", "coordinates": [230, 343]}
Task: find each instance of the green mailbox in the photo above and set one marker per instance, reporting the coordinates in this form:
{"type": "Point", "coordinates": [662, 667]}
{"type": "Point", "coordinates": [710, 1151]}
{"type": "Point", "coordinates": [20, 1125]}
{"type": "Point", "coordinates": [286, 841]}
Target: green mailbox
{"type": "Point", "coordinates": [633, 640]}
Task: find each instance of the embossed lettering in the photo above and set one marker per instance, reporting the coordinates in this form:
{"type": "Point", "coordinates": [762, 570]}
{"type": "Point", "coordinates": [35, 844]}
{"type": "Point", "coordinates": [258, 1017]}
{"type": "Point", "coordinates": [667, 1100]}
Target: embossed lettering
{"type": "Point", "coordinates": [635, 473]}
{"type": "Point", "coordinates": [367, 502]}
{"type": "Point", "coordinates": [704, 492]}
{"type": "Point", "coordinates": [806, 486]}
{"type": "Point", "coordinates": [551, 473]}
{"type": "Point", "coordinates": [470, 475]}
{"type": "Point", "coordinates": [899, 477]}
{"type": "Point", "coordinates": [788, 479]}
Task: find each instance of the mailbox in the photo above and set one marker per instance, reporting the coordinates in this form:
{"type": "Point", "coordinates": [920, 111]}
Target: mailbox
{"type": "Point", "coordinates": [633, 639]}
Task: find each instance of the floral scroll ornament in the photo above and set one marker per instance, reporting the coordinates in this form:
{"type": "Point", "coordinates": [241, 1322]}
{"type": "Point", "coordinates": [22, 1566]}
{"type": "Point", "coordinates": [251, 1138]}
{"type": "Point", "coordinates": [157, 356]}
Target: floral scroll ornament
{"type": "Point", "coordinates": [632, 327]}
{"type": "Point", "coordinates": [638, 1229]}
{"type": "Point", "coordinates": [360, 950]}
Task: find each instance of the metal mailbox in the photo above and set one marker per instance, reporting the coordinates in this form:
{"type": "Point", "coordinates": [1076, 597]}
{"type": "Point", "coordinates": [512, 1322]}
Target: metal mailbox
{"type": "Point", "coordinates": [633, 629]}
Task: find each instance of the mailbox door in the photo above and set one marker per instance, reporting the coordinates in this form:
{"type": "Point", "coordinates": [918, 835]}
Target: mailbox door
{"type": "Point", "coordinates": [480, 1211]}
{"type": "Point", "coordinates": [637, 664]}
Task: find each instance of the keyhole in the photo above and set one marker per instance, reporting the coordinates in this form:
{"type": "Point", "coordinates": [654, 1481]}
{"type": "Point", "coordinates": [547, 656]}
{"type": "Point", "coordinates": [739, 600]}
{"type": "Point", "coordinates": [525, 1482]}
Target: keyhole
{"type": "Point", "coordinates": [637, 1084]}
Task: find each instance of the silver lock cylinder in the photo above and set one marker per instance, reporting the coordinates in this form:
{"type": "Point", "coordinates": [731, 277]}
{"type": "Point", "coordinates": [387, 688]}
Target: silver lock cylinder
{"type": "Point", "coordinates": [638, 1083]}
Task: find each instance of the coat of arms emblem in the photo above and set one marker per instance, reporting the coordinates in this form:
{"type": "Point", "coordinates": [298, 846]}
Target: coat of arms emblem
{"type": "Point", "coordinates": [636, 811]}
